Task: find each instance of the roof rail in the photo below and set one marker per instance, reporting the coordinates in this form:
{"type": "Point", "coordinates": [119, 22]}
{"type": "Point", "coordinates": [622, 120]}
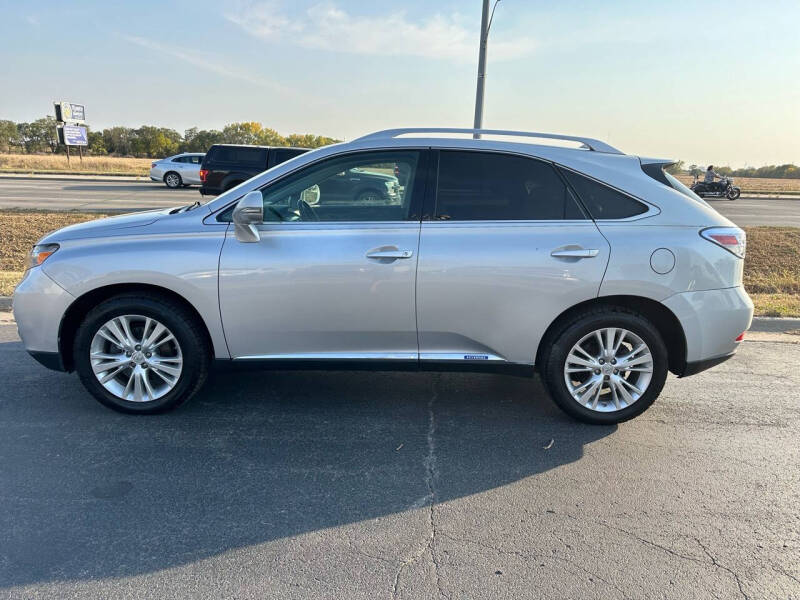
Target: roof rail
{"type": "Point", "coordinates": [589, 143]}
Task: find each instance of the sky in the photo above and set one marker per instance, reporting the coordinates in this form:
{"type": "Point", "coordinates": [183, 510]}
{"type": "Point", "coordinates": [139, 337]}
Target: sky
{"type": "Point", "coordinates": [705, 82]}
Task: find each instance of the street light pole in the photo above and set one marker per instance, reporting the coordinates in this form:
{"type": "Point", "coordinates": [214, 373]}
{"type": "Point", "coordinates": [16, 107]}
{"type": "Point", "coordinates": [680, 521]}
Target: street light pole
{"type": "Point", "coordinates": [486, 23]}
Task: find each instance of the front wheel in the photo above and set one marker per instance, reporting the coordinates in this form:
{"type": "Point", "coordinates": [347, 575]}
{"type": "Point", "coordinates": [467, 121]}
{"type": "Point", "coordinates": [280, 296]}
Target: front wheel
{"type": "Point", "coordinates": [606, 366]}
{"type": "Point", "coordinates": [141, 354]}
{"type": "Point", "coordinates": [734, 193]}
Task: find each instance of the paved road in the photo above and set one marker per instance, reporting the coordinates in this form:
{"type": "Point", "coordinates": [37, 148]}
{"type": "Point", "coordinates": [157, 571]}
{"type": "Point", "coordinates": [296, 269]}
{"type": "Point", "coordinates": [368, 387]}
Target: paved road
{"type": "Point", "coordinates": [127, 196]}
{"type": "Point", "coordinates": [369, 485]}
{"type": "Point", "coordinates": [112, 196]}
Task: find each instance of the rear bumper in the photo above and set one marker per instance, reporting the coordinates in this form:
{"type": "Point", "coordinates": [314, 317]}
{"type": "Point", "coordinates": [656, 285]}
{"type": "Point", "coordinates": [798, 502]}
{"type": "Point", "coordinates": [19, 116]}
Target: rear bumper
{"type": "Point", "coordinates": [711, 321]}
{"type": "Point", "coordinates": [693, 368]}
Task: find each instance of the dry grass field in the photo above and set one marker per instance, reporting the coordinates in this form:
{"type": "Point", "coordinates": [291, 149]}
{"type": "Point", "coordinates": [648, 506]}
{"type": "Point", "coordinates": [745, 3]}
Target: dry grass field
{"type": "Point", "coordinates": [761, 185]}
{"type": "Point", "coordinates": [57, 163]}
{"type": "Point", "coordinates": [771, 269]}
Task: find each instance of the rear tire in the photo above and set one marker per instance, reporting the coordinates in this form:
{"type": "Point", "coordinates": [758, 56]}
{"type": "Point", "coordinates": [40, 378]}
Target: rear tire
{"type": "Point", "coordinates": [172, 180]}
{"type": "Point", "coordinates": [615, 401]}
{"type": "Point", "coordinates": [231, 185]}
{"type": "Point", "coordinates": [174, 370]}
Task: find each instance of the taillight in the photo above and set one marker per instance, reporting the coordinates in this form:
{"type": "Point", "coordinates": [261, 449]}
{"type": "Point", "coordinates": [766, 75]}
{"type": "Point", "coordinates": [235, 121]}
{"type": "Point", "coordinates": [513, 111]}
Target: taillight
{"type": "Point", "coordinates": [203, 175]}
{"type": "Point", "coordinates": [740, 338]}
{"type": "Point", "coordinates": [732, 239]}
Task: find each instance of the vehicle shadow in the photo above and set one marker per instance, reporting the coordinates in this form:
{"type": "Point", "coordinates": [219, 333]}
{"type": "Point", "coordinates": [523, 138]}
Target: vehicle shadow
{"type": "Point", "coordinates": [86, 493]}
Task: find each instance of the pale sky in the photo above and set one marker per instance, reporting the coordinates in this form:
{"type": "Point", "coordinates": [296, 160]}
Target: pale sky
{"type": "Point", "coordinates": [706, 82]}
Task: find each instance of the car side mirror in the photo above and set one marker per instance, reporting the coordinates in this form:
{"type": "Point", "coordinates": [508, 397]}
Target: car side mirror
{"type": "Point", "coordinates": [248, 213]}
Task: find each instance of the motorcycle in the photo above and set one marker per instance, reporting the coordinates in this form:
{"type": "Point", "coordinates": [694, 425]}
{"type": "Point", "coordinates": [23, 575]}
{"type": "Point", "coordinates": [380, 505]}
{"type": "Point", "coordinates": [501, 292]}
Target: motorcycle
{"type": "Point", "coordinates": [723, 189]}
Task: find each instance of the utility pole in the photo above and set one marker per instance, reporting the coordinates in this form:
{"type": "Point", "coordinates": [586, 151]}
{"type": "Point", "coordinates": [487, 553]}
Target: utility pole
{"type": "Point", "coordinates": [486, 23]}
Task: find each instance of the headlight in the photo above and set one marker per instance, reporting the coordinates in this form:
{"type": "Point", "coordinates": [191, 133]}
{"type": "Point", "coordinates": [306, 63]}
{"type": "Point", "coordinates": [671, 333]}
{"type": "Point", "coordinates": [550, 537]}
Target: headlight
{"type": "Point", "coordinates": [40, 253]}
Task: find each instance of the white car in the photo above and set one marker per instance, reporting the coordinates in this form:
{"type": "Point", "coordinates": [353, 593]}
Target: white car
{"type": "Point", "coordinates": [178, 171]}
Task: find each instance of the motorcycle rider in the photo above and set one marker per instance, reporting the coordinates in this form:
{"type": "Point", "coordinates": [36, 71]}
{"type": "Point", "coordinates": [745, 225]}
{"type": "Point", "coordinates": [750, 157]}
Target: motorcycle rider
{"type": "Point", "coordinates": [710, 176]}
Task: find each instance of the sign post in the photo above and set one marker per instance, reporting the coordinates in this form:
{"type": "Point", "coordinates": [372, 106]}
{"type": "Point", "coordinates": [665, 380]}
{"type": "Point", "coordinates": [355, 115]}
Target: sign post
{"type": "Point", "coordinates": [71, 129]}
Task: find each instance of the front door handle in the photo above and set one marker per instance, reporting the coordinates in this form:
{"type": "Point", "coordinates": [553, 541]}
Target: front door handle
{"type": "Point", "coordinates": [575, 253]}
{"type": "Point", "coordinates": [389, 253]}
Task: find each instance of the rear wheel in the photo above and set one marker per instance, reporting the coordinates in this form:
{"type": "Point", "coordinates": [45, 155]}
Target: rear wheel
{"type": "Point", "coordinates": [173, 180]}
{"type": "Point", "coordinates": [231, 185]}
{"type": "Point", "coordinates": [606, 366]}
{"type": "Point", "coordinates": [141, 354]}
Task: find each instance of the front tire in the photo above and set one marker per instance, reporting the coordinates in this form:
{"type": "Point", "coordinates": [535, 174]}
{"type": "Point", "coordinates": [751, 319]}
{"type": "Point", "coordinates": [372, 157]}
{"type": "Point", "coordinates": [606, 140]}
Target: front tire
{"type": "Point", "coordinates": [173, 180]}
{"type": "Point", "coordinates": [141, 354]}
{"type": "Point", "coordinates": [605, 366]}
{"type": "Point", "coordinates": [734, 193]}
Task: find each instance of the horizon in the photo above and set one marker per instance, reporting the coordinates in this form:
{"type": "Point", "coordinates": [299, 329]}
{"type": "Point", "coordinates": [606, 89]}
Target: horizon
{"type": "Point", "coordinates": [630, 76]}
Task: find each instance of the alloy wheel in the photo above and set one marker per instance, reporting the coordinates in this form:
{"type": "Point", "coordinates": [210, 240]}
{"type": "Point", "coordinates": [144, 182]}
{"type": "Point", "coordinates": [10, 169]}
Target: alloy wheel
{"type": "Point", "coordinates": [608, 369]}
{"type": "Point", "coordinates": [136, 358]}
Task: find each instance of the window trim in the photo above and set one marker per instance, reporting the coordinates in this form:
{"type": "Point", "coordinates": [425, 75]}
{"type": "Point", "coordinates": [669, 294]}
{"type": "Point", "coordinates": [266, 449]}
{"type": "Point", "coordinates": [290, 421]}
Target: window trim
{"type": "Point", "coordinates": [651, 211]}
{"type": "Point", "coordinates": [431, 208]}
{"type": "Point", "coordinates": [421, 186]}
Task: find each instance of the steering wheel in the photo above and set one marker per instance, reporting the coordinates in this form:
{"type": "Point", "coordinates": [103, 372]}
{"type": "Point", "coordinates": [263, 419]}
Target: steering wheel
{"type": "Point", "coordinates": [307, 212]}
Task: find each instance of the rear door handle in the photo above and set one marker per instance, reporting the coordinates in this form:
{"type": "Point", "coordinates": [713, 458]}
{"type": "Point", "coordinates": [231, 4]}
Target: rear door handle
{"type": "Point", "coordinates": [389, 253]}
{"type": "Point", "coordinates": [575, 253]}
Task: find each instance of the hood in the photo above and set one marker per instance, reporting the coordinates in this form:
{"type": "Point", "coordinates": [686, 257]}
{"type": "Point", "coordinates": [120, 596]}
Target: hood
{"type": "Point", "coordinates": [118, 225]}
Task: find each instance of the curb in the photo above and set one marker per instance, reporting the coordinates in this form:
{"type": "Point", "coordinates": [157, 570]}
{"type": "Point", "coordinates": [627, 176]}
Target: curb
{"type": "Point", "coordinates": [5, 302]}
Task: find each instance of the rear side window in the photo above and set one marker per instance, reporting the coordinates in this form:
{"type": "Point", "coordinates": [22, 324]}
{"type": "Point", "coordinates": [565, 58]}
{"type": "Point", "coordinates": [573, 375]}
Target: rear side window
{"type": "Point", "coordinates": [491, 186]}
{"type": "Point", "coordinates": [246, 157]}
{"type": "Point", "coordinates": [601, 201]}
{"type": "Point", "coordinates": [280, 155]}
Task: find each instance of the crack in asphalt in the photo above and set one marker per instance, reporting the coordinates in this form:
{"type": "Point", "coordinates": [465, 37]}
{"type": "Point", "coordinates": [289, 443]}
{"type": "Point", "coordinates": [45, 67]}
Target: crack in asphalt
{"type": "Point", "coordinates": [429, 500]}
{"type": "Point", "coordinates": [672, 552]}
{"type": "Point", "coordinates": [539, 557]}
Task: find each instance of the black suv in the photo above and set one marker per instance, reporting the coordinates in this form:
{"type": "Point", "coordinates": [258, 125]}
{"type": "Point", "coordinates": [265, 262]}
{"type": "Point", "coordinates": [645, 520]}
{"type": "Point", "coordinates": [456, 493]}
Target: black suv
{"type": "Point", "coordinates": [227, 165]}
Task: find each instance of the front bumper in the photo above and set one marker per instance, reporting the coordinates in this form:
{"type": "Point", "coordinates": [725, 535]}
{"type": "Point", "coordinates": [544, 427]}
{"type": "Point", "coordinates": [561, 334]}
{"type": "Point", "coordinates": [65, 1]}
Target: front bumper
{"type": "Point", "coordinates": [39, 305]}
{"type": "Point", "coordinates": [711, 321]}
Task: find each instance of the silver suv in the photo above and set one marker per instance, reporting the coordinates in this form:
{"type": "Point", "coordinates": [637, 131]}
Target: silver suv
{"type": "Point", "coordinates": [479, 250]}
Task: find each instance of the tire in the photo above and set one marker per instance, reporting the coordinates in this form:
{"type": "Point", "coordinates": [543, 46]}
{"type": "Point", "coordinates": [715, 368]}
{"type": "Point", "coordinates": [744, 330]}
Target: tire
{"type": "Point", "coordinates": [158, 368]}
{"type": "Point", "coordinates": [231, 185]}
{"type": "Point", "coordinates": [734, 193]}
{"type": "Point", "coordinates": [172, 180]}
{"type": "Point", "coordinates": [610, 406]}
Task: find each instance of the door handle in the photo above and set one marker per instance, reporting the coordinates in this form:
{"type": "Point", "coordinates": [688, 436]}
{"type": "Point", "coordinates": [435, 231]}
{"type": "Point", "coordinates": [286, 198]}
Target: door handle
{"type": "Point", "coordinates": [390, 253]}
{"type": "Point", "coordinates": [575, 253]}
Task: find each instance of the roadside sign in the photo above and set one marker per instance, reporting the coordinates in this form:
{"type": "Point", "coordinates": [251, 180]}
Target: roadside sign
{"type": "Point", "coordinates": [67, 112]}
{"type": "Point", "coordinates": [73, 135]}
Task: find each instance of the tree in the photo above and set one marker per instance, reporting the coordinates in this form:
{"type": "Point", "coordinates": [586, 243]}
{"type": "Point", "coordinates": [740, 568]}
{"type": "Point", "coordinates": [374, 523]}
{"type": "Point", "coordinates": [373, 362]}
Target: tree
{"type": "Point", "coordinates": [8, 135]}
{"type": "Point", "coordinates": [38, 136]}
{"type": "Point", "coordinates": [308, 140]}
{"type": "Point", "coordinates": [97, 144]}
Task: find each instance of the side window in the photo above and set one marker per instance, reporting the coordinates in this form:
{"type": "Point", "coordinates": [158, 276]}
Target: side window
{"type": "Point", "coordinates": [369, 186]}
{"type": "Point", "coordinates": [490, 186]}
{"type": "Point", "coordinates": [244, 156]}
{"type": "Point", "coordinates": [601, 201]}
{"type": "Point", "coordinates": [179, 159]}
{"type": "Point", "coordinates": [196, 160]}
{"type": "Point", "coordinates": [280, 155]}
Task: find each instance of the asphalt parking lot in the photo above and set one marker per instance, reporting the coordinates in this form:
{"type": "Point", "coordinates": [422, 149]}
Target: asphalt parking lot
{"type": "Point", "coordinates": [126, 196]}
{"type": "Point", "coordinates": [401, 485]}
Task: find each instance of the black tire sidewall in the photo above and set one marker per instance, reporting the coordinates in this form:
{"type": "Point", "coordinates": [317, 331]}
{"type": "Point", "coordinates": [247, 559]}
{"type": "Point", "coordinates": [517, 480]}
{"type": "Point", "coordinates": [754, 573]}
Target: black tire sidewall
{"type": "Point", "coordinates": [176, 319]}
{"type": "Point", "coordinates": [563, 343]}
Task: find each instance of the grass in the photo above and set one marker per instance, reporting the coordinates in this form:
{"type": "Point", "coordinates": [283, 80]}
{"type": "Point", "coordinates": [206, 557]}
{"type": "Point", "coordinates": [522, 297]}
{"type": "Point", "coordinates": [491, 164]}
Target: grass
{"type": "Point", "coordinates": [758, 185]}
{"type": "Point", "coordinates": [771, 269]}
{"type": "Point", "coordinates": [57, 163]}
